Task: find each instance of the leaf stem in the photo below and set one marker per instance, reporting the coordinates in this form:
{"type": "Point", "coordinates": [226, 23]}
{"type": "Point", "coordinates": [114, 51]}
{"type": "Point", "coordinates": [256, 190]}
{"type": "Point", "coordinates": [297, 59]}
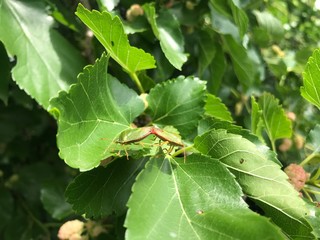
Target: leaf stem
{"type": "Point", "coordinates": [182, 150]}
{"type": "Point", "coordinates": [136, 80]}
{"type": "Point", "coordinates": [307, 159]}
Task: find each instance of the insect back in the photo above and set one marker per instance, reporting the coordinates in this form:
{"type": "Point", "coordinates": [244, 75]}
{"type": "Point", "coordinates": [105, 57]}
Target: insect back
{"type": "Point", "coordinates": [150, 137]}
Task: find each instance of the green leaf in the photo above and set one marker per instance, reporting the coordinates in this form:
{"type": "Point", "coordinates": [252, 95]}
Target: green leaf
{"type": "Point", "coordinates": [215, 108]}
{"type": "Point", "coordinates": [166, 28]}
{"type": "Point", "coordinates": [260, 178]}
{"type": "Point", "coordinates": [311, 80]}
{"type": "Point", "coordinates": [192, 200]}
{"type": "Point", "coordinates": [208, 123]}
{"type": "Point", "coordinates": [222, 19]}
{"type": "Point", "coordinates": [207, 50]}
{"type": "Point", "coordinates": [239, 17]}
{"type": "Point", "coordinates": [269, 24]}
{"type": "Point", "coordinates": [92, 114]}
{"type": "Point", "coordinates": [217, 70]}
{"type": "Point", "coordinates": [46, 62]}
{"type": "Point", "coordinates": [109, 31]}
{"type": "Point", "coordinates": [7, 207]}
{"type": "Point", "coordinates": [243, 65]}
{"type": "Point", "coordinates": [4, 74]}
{"type": "Point", "coordinates": [256, 119]}
{"type": "Point", "coordinates": [52, 198]}
{"type": "Point", "coordinates": [276, 123]}
{"type": "Point", "coordinates": [102, 191]}
{"type": "Point", "coordinates": [313, 140]}
{"type": "Point", "coordinates": [179, 103]}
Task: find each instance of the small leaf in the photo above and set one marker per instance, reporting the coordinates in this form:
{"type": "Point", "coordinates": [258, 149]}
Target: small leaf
{"type": "Point", "coordinates": [102, 191]}
{"type": "Point", "coordinates": [92, 114]}
{"type": "Point", "coordinates": [215, 108]}
{"type": "Point", "coordinates": [256, 120]}
{"type": "Point", "coordinates": [179, 103]}
{"type": "Point", "coordinates": [260, 178]}
{"type": "Point", "coordinates": [311, 80]}
{"type": "Point", "coordinates": [52, 198]}
{"type": "Point", "coordinates": [46, 62]}
{"type": "Point", "coordinates": [166, 28]}
{"type": "Point", "coordinates": [276, 123]}
{"type": "Point", "coordinates": [109, 31]}
{"type": "Point", "coordinates": [192, 200]}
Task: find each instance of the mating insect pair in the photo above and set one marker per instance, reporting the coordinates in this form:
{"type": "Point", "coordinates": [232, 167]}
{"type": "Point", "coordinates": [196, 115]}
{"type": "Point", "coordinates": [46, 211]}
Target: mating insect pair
{"type": "Point", "coordinates": [135, 135]}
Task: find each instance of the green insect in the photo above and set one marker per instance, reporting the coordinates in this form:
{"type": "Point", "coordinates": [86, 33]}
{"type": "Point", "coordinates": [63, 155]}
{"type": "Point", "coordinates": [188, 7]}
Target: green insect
{"type": "Point", "coordinates": [137, 134]}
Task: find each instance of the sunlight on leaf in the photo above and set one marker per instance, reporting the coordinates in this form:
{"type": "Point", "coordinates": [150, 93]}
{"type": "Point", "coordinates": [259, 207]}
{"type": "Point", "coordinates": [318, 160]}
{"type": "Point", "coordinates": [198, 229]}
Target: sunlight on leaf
{"type": "Point", "coordinates": [215, 108]}
{"type": "Point", "coordinates": [109, 31]}
{"type": "Point", "coordinates": [166, 28]}
{"type": "Point", "coordinates": [311, 80]}
{"type": "Point", "coordinates": [46, 62]}
{"type": "Point", "coordinates": [192, 200]}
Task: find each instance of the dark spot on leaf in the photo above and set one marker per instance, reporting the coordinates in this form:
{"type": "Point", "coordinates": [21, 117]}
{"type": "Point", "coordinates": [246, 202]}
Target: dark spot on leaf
{"type": "Point", "coordinates": [241, 160]}
{"type": "Point", "coordinates": [112, 43]}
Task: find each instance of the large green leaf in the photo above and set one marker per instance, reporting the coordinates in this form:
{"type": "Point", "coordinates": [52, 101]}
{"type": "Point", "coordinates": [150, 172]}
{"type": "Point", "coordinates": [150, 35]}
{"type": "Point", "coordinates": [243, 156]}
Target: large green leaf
{"type": "Point", "coordinates": [198, 199]}
{"type": "Point", "coordinates": [102, 191]}
{"type": "Point", "coordinates": [179, 102]}
{"type": "Point", "coordinates": [46, 62]}
{"type": "Point", "coordinates": [311, 80]}
{"type": "Point", "coordinates": [109, 31]}
{"type": "Point", "coordinates": [276, 123]}
{"type": "Point", "coordinates": [166, 28]}
{"type": "Point", "coordinates": [260, 178]}
{"type": "Point", "coordinates": [92, 114]}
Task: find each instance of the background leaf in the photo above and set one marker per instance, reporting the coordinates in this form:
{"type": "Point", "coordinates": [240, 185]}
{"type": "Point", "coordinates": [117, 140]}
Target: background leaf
{"type": "Point", "coordinates": [207, 50]}
{"type": "Point", "coordinates": [52, 197]}
{"type": "Point", "coordinates": [46, 62]}
{"type": "Point", "coordinates": [243, 65]}
{"type": "Point", "coordinates": [215, 108]}
{"type": "Point", "coordinates": [102, 191]}
{"type": "Point", "coordinates": [166, 28]}
{"type": "Point", "coordinates": [311, 80]}
{"type": "Point", "coordinates": [92, 114]}
{"type": "Point", "coordinates": [109, 31]}
{"type": "Point", "coordinates": [260, 178]}
{"type": "Point", "coordinates": [178, 103]}
{"type": "Point", "coordinates": [192, 200]}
